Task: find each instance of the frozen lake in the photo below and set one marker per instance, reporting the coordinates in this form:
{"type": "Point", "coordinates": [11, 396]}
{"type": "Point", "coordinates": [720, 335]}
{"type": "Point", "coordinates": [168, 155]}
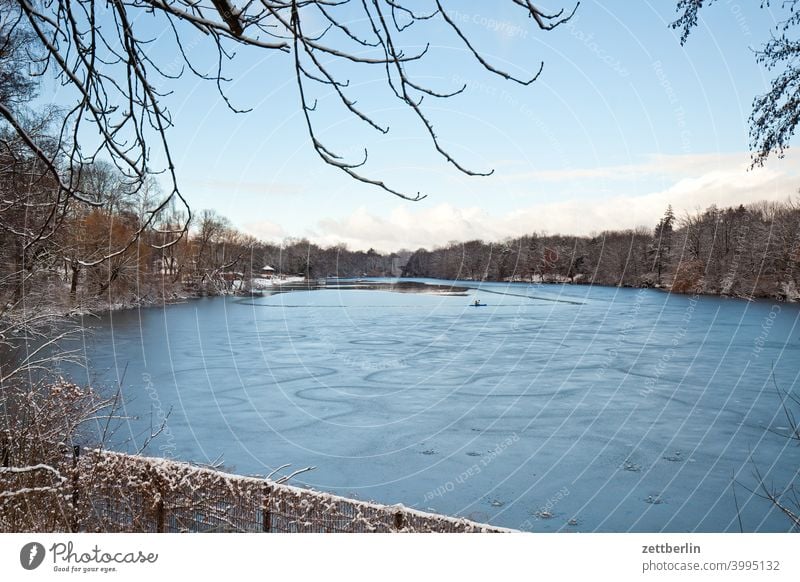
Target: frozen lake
{"type": "Point", "coordinates": [553, 408]}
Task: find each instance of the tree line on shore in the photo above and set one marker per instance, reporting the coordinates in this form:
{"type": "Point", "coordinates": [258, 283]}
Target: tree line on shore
{"type": "Point", "coordinates": [105, 253]}
{"type": "Point", "coordinates": [82, 259]}
{"type": "Point", "coordinates": [744, 251]}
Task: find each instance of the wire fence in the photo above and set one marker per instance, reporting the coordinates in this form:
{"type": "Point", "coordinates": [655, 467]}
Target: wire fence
{"type": "Point", "coordinates": [104, 491]}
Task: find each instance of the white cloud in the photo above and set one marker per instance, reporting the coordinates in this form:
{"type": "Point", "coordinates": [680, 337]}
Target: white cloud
{"type": "Point", "coordinates": [265, 230]}
{"type": "Point", "coordinates": [407, 227]}
{"type": "Point", "coordinates": [651, 165]}
{"type": "Point", "coordinates": [697, 182]}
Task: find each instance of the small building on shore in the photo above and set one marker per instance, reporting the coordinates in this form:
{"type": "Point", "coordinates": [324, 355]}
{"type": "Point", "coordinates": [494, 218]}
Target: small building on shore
{"type": "Point", "coordinates": [268, 272]}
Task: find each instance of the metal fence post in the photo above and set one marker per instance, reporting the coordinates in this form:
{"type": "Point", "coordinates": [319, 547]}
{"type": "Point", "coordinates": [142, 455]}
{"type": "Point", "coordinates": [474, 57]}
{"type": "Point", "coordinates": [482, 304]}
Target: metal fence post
{"type": "Point", "coordinates": [266, 513]}
{"type": "Point", "coordinates": [4, 449]}
{"type": "Point", "coordinates": [76, 453]}
{"type": "Point", "coordinates": [399, 520]}
{"type": "Point", "coordinates": [160, 515]}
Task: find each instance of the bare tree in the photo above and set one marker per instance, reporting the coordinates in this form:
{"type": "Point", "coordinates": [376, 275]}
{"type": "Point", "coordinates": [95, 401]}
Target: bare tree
{"type": "Point", "coordinates": [100, 50]}
{"type": "Point", "coordinates": [775, 114]}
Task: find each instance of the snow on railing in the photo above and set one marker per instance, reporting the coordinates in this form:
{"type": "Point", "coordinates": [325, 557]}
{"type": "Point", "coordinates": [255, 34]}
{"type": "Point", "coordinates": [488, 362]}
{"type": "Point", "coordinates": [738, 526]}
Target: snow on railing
{"type": "Point", "coordinates": [114, 492]}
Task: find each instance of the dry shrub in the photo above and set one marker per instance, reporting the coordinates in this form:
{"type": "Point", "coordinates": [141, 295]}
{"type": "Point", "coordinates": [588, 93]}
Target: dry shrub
{"type": "Point", "coordinates": [39, 426]}
{"type": "Point", "coordinates": [688, 277]}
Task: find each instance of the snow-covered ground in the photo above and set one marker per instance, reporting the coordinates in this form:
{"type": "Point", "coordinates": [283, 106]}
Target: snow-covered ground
{"type": "Point", "coordinates": [258, 283]}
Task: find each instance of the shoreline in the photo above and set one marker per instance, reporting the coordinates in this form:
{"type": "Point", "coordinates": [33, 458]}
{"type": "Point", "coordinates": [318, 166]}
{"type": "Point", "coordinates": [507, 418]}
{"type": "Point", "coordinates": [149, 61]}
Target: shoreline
{"type": "Point", "coordinates": [662, 288]}
{"type": "Point", "coordinates": [98, 309]}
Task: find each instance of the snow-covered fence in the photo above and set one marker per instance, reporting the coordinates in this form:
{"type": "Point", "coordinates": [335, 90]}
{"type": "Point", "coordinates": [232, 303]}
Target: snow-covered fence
{"type": "Point", "coordinates": [113, 492]}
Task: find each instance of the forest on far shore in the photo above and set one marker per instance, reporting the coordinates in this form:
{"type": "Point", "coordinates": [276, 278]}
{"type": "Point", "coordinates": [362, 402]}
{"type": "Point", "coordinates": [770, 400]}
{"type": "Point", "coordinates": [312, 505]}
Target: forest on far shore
{"type": "Point", "coordinates": [746, 251]}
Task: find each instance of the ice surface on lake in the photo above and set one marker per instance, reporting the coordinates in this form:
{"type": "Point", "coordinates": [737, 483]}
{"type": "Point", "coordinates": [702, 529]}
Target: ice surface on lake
{"type": "Point", "coordinates": [554, 408]}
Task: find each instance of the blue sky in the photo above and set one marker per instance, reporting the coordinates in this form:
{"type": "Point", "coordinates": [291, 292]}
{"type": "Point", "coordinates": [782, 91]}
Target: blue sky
{"type": "Point", "coordinates": [622, 121]}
